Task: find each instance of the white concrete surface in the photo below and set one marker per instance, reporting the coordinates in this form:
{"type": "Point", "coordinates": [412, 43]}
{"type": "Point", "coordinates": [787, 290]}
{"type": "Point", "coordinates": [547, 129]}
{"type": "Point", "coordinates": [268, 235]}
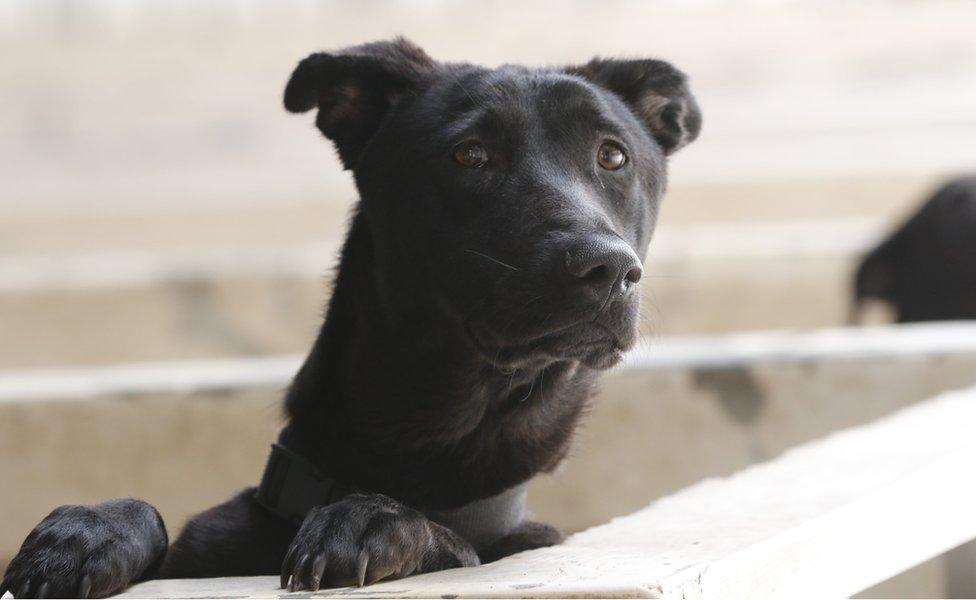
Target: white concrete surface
{"type": "Point", "coordinates": [827, 519]}
{"type": "Point", "coordinates": [779, 347]}
{"type": "Point", "coordinates": [174, 377]}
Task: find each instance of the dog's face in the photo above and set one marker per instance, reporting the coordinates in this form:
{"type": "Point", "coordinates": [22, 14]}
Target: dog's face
{"type": "Point", "coordinates": [519, 202]}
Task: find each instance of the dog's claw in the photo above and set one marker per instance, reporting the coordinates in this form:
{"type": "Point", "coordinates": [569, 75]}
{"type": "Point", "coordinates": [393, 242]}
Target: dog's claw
{"type": "Point", "coordinates": [361, 568]}
{"type": "Point", "coordinates": [286, 567]}
{"type": "Point", "coordinates": [44, 590]}
{"type": "Point", "coordinates": [24, 590]}
{"type": "Point", "coordinates": [318, 571]}
{"type": "Point", "coordinates": [302, 574]}
{"type": "Point", "coordinates": [84, 588]}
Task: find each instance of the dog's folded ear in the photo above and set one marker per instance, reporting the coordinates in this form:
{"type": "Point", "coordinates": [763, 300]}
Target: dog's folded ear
{"type": "Point", "coordinates": [656, 91]}
{"type": "Point", "coordinates": [354, 88]}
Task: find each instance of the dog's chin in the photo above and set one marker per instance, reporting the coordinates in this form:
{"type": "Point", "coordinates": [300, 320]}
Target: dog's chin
{"type": "Point", "coordinates": [591, 344]}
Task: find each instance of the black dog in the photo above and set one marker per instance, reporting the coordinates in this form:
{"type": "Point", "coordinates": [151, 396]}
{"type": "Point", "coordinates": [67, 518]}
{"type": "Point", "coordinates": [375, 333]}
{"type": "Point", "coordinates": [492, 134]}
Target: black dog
{"type": "Point", "coordinates": [926, 269]}
{"type": "Point", "coordinates": [489, 273]}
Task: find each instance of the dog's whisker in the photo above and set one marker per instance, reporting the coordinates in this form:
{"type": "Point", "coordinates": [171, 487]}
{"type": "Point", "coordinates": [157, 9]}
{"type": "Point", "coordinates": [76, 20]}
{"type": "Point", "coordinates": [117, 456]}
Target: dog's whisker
{"type": "Point", "coordinates": [531, 388]}
{"type": "Point", "coordinates": [599, 179]}
{"type": "Point", "coordinates": [492, 259]}
{"type": "Point", "coordinates": [542, 387]}
{"type": "Point", "coordinates": [457, 82]}
{"type": "Point", "coordinates": [510, 380]}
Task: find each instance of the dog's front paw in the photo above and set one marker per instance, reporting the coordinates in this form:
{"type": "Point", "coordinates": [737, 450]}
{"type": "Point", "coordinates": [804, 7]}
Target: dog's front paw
{"type": "Point", "coordinates": [365, 538]}
{"type": "Point", "coordinates": [84, 551]}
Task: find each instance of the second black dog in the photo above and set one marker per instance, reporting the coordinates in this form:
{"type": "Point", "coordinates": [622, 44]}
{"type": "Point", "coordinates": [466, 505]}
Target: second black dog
{"type": "Point", "coordinates": [926, 269]}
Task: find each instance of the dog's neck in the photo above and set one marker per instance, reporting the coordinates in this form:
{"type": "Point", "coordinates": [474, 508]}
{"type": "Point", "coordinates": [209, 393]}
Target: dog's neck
{"type": "Point", "coordinates": [394, 399]}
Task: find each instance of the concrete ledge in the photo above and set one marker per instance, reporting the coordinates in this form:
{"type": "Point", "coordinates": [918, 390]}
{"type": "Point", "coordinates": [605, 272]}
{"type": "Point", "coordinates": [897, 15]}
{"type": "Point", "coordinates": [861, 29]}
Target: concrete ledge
{"type": "Point", "coordinates": [826, 519]}
{"type": "Point", "coordinates": [678, 411]}
{"type": "Point", "coordinates": [729, 351]}
{"type": "Point", "coordinates": [798, 347]}
{"type": "Point", "coordinates": [724, 401]}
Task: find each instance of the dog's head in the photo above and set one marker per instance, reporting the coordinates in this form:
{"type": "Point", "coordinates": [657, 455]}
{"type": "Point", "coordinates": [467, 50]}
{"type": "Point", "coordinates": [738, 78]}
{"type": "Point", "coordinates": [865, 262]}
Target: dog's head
{"type": "Point", "coordinates": [519, 202]}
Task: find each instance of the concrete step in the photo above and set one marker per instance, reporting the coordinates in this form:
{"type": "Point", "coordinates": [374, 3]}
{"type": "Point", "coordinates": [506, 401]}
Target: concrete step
{"type": "Point", "coordinates": [814, 522]}
{"type": "Point", "coordinates": [679, 410]}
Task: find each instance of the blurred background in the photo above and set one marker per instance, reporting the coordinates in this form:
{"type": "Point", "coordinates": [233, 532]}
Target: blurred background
{"type": "Point", "coordinates": [157, 204]}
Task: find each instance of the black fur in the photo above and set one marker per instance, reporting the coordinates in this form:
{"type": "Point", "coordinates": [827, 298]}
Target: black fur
{"type": "Point", "coordinates": [472, 310]}
{"type": "Point", "coordinates": [926, 269]}
{"type": "Point", "coordinates": [88, 551]}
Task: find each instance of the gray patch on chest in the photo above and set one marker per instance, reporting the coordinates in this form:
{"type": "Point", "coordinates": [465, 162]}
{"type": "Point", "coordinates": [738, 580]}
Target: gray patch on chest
{"type": "Point", "coordinates": [484, 521]}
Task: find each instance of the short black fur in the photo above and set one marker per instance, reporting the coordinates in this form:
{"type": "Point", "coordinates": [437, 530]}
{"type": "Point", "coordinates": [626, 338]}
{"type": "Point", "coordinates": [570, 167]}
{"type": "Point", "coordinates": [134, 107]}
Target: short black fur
{"type": "Point", "coordinates": [472, 310]}
{"type": "Point", "coordinates": [926, 269]}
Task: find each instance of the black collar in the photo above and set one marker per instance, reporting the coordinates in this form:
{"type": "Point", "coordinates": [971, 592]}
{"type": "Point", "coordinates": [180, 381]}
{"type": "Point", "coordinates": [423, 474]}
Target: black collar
{"type": "Point", "coordinates": [291, 486]}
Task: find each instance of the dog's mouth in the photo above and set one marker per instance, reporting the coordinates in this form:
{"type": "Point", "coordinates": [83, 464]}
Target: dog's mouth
{"type": "Point", "coordinates": [590, 342]}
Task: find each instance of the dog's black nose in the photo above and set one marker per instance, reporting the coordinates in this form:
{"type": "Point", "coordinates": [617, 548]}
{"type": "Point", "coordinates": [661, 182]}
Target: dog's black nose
{"type": "Point", "coordinates": [604, 264]}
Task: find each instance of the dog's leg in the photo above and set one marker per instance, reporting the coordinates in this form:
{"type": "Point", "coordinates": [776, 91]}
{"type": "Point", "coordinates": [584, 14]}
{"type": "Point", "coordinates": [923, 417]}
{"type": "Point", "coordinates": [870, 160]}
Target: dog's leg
{"type": "Point", "coordinates": [88, 551]}
{"type": "Point", "coordinates": [368, 537]}
{"type": "Point", "coordinates": [236, 538]}
{"type": "Point", "coordinates": [527, 536]}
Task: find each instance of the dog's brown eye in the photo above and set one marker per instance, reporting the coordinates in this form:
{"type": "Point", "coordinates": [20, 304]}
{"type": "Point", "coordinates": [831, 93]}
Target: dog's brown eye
{"type": "Point", "coordinates": [470, 154]}
{"type": "Point", "coordinates": [611, 156]}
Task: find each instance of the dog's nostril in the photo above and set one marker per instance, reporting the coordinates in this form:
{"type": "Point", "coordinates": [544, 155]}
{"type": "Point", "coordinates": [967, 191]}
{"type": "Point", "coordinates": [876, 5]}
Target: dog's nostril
{"type": "Point", "coordinates": [602, 265]}
{"type": "Point", "coordinates": [595, 274]}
